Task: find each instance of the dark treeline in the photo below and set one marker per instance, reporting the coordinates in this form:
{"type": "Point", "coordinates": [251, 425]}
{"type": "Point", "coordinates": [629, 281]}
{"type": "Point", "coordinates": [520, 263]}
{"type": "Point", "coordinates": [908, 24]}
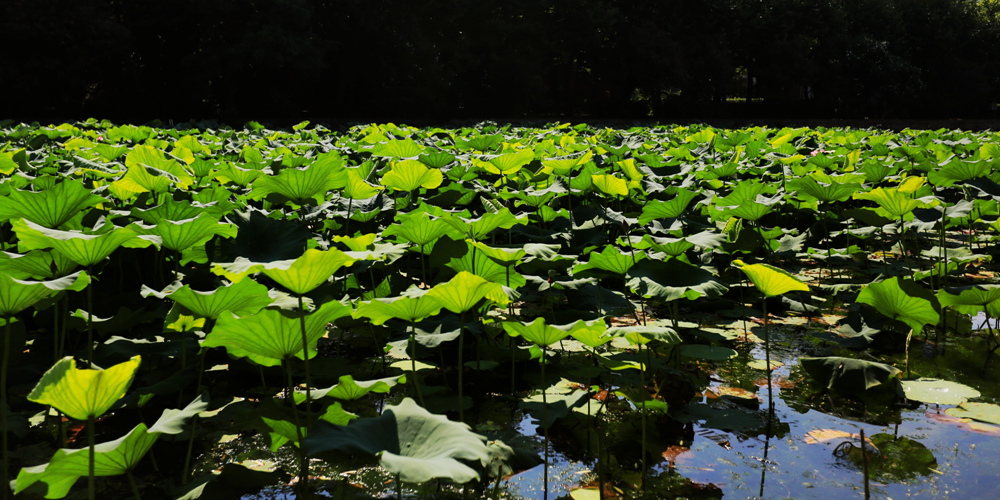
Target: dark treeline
{"type": "Point", "coordinates": [435, 59]}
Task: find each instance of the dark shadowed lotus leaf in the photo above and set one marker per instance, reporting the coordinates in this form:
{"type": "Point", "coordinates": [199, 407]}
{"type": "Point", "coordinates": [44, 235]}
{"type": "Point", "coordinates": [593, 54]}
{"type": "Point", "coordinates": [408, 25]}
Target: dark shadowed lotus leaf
{"type": "Point", "coordinates": [672, 280]}
{"type": "Point", "coordinates": [848, 375]}
{"type": "Point", "coordinates": [409, 441]}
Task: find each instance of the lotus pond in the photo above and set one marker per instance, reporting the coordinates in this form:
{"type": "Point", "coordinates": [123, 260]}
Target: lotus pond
{"type": "Point", "coordinates": [498, 312]}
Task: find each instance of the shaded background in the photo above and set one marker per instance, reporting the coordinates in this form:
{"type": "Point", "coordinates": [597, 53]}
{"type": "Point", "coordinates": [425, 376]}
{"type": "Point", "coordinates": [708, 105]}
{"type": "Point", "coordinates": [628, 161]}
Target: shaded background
{"type": "Point", "coordinates": [396, 60]}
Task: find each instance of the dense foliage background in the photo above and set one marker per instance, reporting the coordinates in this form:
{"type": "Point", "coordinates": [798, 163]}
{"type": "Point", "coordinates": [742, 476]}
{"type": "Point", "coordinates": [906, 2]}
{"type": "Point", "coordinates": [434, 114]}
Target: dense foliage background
{"type": "Point", "coordinates": [378, 59]}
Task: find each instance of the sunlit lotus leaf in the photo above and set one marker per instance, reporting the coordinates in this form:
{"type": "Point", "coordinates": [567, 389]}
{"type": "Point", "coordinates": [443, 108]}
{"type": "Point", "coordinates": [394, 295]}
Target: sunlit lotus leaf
{"type": "Point", "coordinates": [565, 166]}
{"type": "Point", "coordinates": [150, 170]}
{"type": "Point", "coordinates": [972, 299]}
{"type": "Point", "coordinates": [673, 279]}
{"type": "Point", "coordinates": [183, 234]}
{"type": "Point", "coordinates": [348, 389]}
{"type": "Point", "coordinates": [958, 170]}
{"type": "Point", "coordinates": [538, 332]}
{"type": "Point", "coordinates": [983, 412]}
{"type": "Point", "coordinates": [410, 309]}
{"type": "Point", "coordinates": [940, 392]}
{"type": "Point", "coordinates": [659, 209]}
{"type": "Point", "coordinates": [770, 280]}
{"type": "Point", "coordinates": [358, 188]}
{"type": "Point", "coordinates": [243, 298]}
{"type": "Point", "coordinates": [501, 255]}
{"type": "Point", "coordinates": [609, 184]}
{"type": "Point", "coordinates": [299, 276]}
{"type": "Point", "coordinates": [409, 441]}
{"type": "Point", "coordinates": [398, 148]}
{"type": "Point", "coordinates": [17, 295]}
{"type": "Point", "coordinates": [232, 173]}
{"type": "Point", "coordinates": [465, 290]}
{"type": "Point", "coordinates": [50, 207]}
{"type": "Point", "coordinates": [507, 164]}
{"type": "Point", "coordinates": [420, 229]}
{"type": "Point", "coordinates": [83, 393]}
{"type": "Point", "coordinates": [436, 159]}
{"type": "Point", "coordinates": [408, 175]}
{"type": "Point", "coordinates": [893, 203]}
{"type": "Point", "coordinates": [480, 227]}
{"type": "Point", "coordinates": [486, 267]}
{"type": "Point", "coordinates": [36, 264]}
{"type": "Point", "coordinates": [306, 185]}
{"type": "Point", "coordinates": [110, 459]}
{"type": "Point", "coordinates": [68, 465]}
{"type": "Point", "coordinates": [641, 335]}
{"type": "Point", "coordinates": [847, 375]}
{"type": "Point", "coordinates": [611, 259]}
{"type": "Point", "coordinates": [827, 188]}
{"type": "Point", "coordinates": [84, 249]}
{"type": "Point", "coordinates": [272, 335]}
{"type": "Point", "coordinates": [903, 300]}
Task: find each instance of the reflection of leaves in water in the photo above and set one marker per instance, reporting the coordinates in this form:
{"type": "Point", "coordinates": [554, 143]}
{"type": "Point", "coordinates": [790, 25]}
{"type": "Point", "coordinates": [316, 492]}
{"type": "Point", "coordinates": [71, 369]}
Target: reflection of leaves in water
{"type": "Point", "coordinates": [896, 458]}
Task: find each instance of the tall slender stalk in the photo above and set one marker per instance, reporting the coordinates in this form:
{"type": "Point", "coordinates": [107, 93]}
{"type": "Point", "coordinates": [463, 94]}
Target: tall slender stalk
{"type": "Point", "coordinates": [545, 429]}
{"type": "Point", "coordinates": [92, 458]}
{"type": "Point", "coordinates": [305, 359]}
{"type": "Point", "coordinates": [90, 318]}
{"type": "Point", "coordinates": [767, 360]}
{"type": "Point", "coordinates": [3, 407]}
{"type": "Point", "coordinates": [461, 369]}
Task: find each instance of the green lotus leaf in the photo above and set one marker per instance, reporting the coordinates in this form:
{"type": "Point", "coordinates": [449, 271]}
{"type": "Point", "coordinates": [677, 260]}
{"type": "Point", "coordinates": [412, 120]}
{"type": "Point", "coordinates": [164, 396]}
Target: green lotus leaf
{"type": "Point", "coordinates": [849, 376]}
{"type": "Point", "coordinates": [972, 299]}
{"type": "Point", "coordinates": [892, 202]}
{"type": "Point", "coordinates": [232, 173]}
{"type": "Point", "coordinates": [348, 389]}
{"type": "Point", "coordinates": [770, 280]}
{"type": "Point", "coordinates": [67, 465]}
{"type": "Point", "coordinates": [83, 393]}
{"type": "Point", "coordinates": [673, 279]}
{"type": "Point", "coordinates": [409, 309]}
{"type": "Point", "coordinates": [611, 259]}
{"type": "Point", "coordinates": [465, 290]}
{"type": "Point", "coordinates": [408, 175]}
{"type": "Point", "coordinates": [538, 332]}
{"type": "Point", "coordinates": [243, 298]}
{"type": "Point", "coordinates": [183, 234]}
{"type": "Point", "coordinates": [486, 267]}
{"type": "Point", "coordinates": [609, 184]}
{"type": "Point", "coordinates": [110, 459]}
{"type": "Point", "coordinates": [420, 229]}
{"type": "Point", "coordinates": [282, 424]}
{"type": "Point", "coordinates": [509, 163]}
{"type": "Point", "coordinates": [272, 335]}
{"type": "Point", "coordinates": [958, 170]}
{"type": "Point", "coordinates": [641, 335]}
{"type": "Point", "coordinates": [37, 264]}
{"type": "Point", "coordinates": [827, 188]}
{"type": "Point", "coordinates": [359, 188]}
{"type": "Point", "coordinates": [565, 166]}
{"type": "Point", "coordinates": [940, 392]}
{"type": "Point", "coordinates": [299, 276]}
{"type": "Point", "coordinates": [17, 295]}
{"type": "Point", "coordinates": [304, 185]}
{"type": "Point", "coordinates": [480, 227]}
{"type": "Point", "coordinates": [903, 300]}
{"type": "Point", "coordinates": [409, 441]}
{"type": "Point", "coordinates": [436, 159]}
{"type": "Point", "coordinates": [482, 142]}
{"type": "Point", "coordinates": [150, 171]}
{"type": "Point", "coordinates": [50, 207]}
{"type": "Point", "coordinates": [84, 249]}
{"type": "Point", "coordinates": [398, 148]}
{"type": "Point", "coordinates": [983, 412]}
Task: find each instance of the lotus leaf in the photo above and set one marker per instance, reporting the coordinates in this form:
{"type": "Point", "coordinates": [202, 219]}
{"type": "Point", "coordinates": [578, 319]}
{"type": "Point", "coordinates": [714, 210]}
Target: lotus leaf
{"type": "Point", "coordinates": [409, 441]}
{"type": "Point", "coordinates": [848, 375]}
{"type": "Point", "coordinates": [83, 393]}
{"type": "Point", "coordinates": [940, 392]}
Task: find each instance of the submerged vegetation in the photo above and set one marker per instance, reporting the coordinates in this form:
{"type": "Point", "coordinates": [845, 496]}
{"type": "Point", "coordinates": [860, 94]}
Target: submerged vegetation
{"type": "Point", "coordinates": [390, 310]}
